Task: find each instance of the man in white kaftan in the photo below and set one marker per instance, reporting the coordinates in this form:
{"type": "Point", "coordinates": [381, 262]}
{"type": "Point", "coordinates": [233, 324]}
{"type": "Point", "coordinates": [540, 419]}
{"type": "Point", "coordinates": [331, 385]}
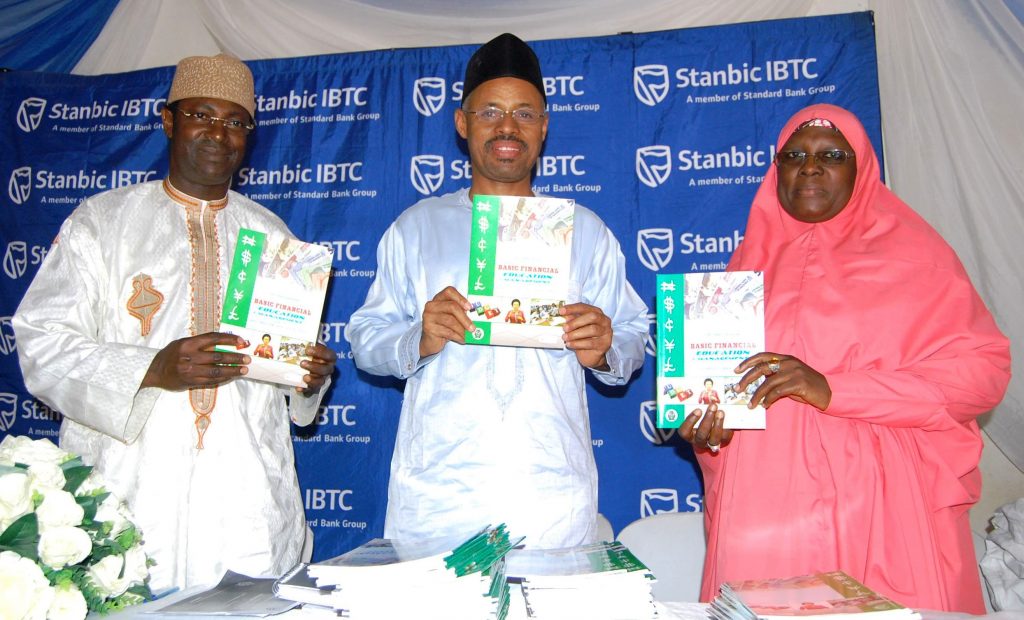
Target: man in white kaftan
{"type": "Point", "coordinates": [490, 434]}
{"type": "Point", "coordinates": [493, 434]}
{"type": "Point", "coordinates": [126, 299]}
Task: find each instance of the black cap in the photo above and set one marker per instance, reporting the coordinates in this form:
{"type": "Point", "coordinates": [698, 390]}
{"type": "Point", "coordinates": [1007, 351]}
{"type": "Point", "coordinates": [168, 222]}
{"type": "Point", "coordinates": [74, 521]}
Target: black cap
{"type": "Point", "coordinates": [505, 55]}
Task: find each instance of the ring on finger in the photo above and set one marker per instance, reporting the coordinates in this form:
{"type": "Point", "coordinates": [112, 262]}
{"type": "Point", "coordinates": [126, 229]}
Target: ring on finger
{"type": "Point", "coordinates": [714, 447]}
{"type": "Point", "coordinates": [773, 365]}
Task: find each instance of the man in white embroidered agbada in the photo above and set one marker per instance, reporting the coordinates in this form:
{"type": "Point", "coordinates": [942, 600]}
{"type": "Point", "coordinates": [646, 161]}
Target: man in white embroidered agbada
{"type": "Point", "coordinates": [117, 332]}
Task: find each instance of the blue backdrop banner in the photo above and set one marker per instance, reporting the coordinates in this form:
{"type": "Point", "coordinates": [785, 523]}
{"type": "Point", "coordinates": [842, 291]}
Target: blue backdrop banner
{"type": "Point", "coordinates": [665, 135]}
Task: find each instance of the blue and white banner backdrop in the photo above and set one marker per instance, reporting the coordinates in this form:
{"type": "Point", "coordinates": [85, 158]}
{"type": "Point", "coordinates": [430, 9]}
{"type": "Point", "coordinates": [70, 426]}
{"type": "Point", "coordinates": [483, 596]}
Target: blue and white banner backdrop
{"type": "Point", "coordinates": [665, 135]}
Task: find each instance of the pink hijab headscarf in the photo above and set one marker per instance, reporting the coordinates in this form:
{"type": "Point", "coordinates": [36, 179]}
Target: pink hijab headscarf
{"type": "Point", "coordinates": [880, 483]}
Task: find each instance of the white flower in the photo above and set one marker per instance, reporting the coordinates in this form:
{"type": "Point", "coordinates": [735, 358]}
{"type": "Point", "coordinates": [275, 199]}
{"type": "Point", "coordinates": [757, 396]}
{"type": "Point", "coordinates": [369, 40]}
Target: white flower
{"type": "Point", "coordinates": [105, 576]}
{"type": "Point", "coordinates": [113, 511]}
{"type": "Point", "coordinates": [63, 545]}
{"type": "Point", "coordinates": [15, 498]}
{"type": "Point", "coordinates": [136, 571]}
{"type": "Point", "coordinates": [25, 594]}
{"type": "Point", "coordinates": [68, 603]}
{"type": "Point", "coordinates": [45, 477]}
{"type": "Point", "coordinates": [59, 508]}
{"type": "Point", "coordinates": [22, 449]}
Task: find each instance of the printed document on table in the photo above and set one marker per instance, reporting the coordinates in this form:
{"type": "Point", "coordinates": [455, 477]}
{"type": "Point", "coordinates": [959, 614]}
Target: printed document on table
{"type": "Point", "coordinates": [235, 595]}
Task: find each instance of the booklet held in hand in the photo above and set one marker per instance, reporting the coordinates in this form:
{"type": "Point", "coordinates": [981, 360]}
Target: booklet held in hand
{"type": "Point", "coordinates": [274, 299]}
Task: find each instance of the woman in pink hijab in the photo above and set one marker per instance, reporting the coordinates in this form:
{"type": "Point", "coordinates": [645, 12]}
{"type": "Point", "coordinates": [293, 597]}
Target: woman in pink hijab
{"type": "Point", "coordinates": [880, 357]}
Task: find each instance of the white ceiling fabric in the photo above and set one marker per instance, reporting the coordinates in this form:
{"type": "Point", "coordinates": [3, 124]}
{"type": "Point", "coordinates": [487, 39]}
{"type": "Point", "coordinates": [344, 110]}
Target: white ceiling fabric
{"type": "Point", "coordinates": [165, 30]}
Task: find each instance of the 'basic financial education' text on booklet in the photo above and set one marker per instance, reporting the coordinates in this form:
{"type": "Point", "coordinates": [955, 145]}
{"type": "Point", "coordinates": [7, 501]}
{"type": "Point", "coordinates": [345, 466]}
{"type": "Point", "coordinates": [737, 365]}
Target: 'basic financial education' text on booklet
{"type": "Point", "coordinates": [519, 258]}
{"type": "Point", "coordinates": [274, 299]}
{"type": "Point", "coordinates": [707, 324]}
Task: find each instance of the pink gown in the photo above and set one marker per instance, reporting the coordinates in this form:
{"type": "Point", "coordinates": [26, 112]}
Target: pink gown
{"type": "Point", "coordinates": [878, 485]}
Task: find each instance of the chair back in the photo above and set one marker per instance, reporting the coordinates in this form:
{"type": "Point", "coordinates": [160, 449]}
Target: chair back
{"type": "Point", "coordinates": [672, 545]}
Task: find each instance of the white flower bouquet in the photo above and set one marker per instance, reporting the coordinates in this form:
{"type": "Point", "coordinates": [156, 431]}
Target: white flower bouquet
{"type": "Point", "coordinates": [67, 545]}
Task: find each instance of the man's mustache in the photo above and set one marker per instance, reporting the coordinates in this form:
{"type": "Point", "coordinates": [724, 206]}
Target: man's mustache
{"type": "Point", "coordinates": [505, 138]}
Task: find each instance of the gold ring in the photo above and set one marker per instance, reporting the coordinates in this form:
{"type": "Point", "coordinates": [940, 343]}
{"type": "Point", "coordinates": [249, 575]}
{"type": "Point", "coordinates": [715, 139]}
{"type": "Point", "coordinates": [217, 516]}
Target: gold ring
{"type": "Point", "coordinates": [773, 366]}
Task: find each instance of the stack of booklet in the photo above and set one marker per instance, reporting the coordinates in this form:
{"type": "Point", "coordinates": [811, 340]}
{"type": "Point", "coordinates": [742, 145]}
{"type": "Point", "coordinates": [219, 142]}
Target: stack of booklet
{"type": "Point", "coordinates": [445, 578]}
{"type": "Point", "coordinates": [834, 595]}
{"type": "Point", "coordinates": [602, 581]}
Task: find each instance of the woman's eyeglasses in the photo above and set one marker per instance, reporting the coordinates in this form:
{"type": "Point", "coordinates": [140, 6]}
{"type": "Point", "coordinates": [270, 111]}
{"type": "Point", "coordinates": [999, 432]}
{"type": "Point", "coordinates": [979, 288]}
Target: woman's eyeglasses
{"type": "Point", "coordinates": [794, 159]}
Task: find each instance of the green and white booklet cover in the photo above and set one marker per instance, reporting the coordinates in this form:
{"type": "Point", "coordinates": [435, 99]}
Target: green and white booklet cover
{"type": "Point", "coordinates": [707, 324]}
{"type": "Point", "coordinates": [519, 258]}
{"type": "Point", "coordinates": [274, 299]}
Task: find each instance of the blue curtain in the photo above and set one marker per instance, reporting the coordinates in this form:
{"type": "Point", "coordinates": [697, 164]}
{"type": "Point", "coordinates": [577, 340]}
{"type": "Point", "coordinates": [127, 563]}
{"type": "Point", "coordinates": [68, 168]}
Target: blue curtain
{"type": "Point", "coordinates": [1017, 8]}
{"type": "Point", "coordinates": [49, 35]}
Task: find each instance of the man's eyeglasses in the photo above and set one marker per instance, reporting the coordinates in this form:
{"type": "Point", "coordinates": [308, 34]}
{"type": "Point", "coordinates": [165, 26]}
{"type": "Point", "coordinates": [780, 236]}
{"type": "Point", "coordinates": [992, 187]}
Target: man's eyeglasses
{"type": "Point", "coordinates": [794, 159]}
{"type": "Point", "coordinates": [231, 124]}
{"type": "Point", "coordinates": [493, 116]}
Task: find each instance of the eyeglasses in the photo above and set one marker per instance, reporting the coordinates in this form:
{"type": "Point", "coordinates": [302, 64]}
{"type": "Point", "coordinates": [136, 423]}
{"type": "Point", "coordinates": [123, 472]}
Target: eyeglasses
{"type": "Point", "coordinates": [493, 115]}
{"type": "Point", "coordinates": [231, 124]}
{"type": "Point", "coordinates": [795, 159]}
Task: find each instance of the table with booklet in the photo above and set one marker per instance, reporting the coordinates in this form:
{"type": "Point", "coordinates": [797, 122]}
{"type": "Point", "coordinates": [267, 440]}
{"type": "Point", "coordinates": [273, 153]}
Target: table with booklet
{"type": "Point", "coordinates": [484, 576]}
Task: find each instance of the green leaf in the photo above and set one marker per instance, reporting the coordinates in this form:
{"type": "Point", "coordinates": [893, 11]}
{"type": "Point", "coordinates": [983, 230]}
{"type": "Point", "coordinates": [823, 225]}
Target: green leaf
{"type": "Point", "coordinates": [8, 469]}
{"type": "Point", "coordinates": [75, 476]}
{"type": "Point", "coordinates": [72, 462]}
{"type": "Point", "coordinates": [101, 551]}
{"type": "Point", "coordinates": [142, 590]}
{"type": "Point", "coordinates": [90, 504]}
{"type": "Point", "coordinates": [127, 599]}
{"type": "Point", "coordinates": [22, 537]}
{"type": "Point", "coordinates": [62, 576]}
{"type": "Point", "coordinates": [128, 538]}
{"type": "Point", "coordinates": [94, 598]}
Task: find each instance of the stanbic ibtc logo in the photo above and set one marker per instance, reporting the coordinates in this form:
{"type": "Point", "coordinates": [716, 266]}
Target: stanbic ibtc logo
{"type": "Point", "coordinates": [16, 259]}
{"type": "Point", "coordinates": [336, 415]}
{"type": "Point", "coordinates": [20, 255]}
{"type": "Point", "coordinates": [7, 344]}
{"type": "Point", "coordinates": [427, 173]}
{"type": "Point", "coordinates": [653, 164]}
{"type": "Point", "coordinates": [657, 501]}
{"type": "Point", "coordinates": [650, 84]}
{"type": "Point", "coordinates": [328, 499]}
{"type": "Point", "coordinates": [30, 113]}
{"type": "Point", "coordinates": [649, 425]}
{"type": "Point", "coordinates": [8, 410]}
{"type": "Point", "coordinates": [332, 332]}
{"type": "Point", "coordinates": [428, 95]}
{"type": "Point", "coordinates": [20, 186]}
{"type": "Point", "coordinates": [654, 247]}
